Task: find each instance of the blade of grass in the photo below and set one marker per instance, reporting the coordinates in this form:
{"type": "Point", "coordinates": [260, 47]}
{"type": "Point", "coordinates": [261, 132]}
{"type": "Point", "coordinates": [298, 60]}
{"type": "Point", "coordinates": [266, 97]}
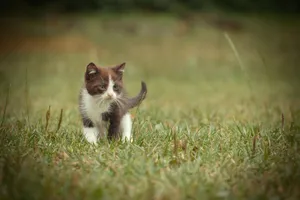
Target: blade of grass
{"type": "Point", "coordinates": [27, 95]}
{"type": "Point", "coordinates": [60, 120]}
{"type": "Point", "coordinates": [5, 106]}
{"type": "Point", "coordinates": [241, 64]}
{"type": "Point", "coordinates": [48, 113]}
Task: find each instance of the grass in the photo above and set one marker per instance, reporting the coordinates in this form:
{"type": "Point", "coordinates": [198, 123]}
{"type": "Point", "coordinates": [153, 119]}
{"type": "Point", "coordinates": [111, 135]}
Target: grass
{"type": "Point", "coordinates": [201, 133]}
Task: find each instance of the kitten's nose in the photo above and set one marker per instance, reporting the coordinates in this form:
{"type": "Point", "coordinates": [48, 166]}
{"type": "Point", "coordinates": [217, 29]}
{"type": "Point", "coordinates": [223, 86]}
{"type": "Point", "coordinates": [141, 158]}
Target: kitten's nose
{"type": "Point", "coordinates": [110, 95]}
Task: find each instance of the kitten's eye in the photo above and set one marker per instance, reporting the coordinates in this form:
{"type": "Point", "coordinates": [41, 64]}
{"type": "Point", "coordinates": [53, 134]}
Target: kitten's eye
{"type": "Point", "coordinates": [116, 87]}
{"type": "Point", "coordinates": [102, 87]}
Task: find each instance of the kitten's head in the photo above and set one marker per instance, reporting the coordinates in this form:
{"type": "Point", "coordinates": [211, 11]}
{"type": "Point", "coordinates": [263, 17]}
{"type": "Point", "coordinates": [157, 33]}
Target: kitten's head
{"type": "Point", "coordinates": [105, 82]}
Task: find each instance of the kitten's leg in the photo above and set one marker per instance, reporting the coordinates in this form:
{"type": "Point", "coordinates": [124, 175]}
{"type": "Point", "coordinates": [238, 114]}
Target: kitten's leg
{"type": "Point", "coordinates": [126, 126]}
{"type": "Point", "coordinates": [102, 127]}
{"type": "Point", "coordinates": [114, 128]}
{"type": "Point", "coordinates": [91, 134]}
{"type": "Point", "coordinates": [114, 123]}
{"type": "Point", "coordinates": [90, 131]}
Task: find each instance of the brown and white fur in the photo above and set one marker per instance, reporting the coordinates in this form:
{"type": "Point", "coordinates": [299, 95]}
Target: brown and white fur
{"type": "Point", "coordinates": [104, 105]}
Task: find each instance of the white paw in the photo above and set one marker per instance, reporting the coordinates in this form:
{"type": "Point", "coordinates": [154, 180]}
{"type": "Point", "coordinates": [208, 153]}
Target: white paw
{"type": "Point", "coordinates": [91, 135]}
{"type": "Point", "coordinates": [126, 126]}
{"type": "Point", "coordinates": [127, 139]}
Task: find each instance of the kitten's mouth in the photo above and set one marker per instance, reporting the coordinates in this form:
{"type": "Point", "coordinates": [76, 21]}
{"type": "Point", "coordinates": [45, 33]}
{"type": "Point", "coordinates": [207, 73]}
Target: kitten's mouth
{"type": "Point", "coordinates": [110, 99]}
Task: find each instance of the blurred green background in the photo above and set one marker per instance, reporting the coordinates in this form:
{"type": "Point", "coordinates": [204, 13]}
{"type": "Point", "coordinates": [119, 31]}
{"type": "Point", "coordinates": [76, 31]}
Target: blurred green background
{"type": "Point", "coordinates": [178, 47]}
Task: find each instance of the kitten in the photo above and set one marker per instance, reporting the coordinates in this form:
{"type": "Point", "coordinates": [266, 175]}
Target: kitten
{"type": "Point", "coordinates": [103, 101]}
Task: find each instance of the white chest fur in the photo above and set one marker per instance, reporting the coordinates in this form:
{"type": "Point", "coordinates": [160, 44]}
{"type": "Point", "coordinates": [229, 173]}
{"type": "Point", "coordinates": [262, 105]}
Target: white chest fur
{"type": "Point", "coordinates": [93, 106]}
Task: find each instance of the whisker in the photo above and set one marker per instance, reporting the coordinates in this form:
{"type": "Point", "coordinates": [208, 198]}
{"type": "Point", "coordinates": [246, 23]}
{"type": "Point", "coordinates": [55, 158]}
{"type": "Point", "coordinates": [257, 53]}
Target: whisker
{"type": "Point", "coordinates": [119, 103]}
{"type": "Point", "coordinates": [99, 101]}
{"type": "Point", "coordinates": [116, 101]}
{"type": "Point", "coordinates": [123, 101]}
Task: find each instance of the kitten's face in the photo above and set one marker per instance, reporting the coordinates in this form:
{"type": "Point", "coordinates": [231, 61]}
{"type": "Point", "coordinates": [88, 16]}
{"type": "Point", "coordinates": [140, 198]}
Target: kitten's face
{"type": "Point", "coordinates": [104, 82]}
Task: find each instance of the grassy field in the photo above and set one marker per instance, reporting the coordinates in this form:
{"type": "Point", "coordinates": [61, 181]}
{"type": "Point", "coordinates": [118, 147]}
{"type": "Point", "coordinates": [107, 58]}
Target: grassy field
{"type": "Point", "coordinates": [221, 119]}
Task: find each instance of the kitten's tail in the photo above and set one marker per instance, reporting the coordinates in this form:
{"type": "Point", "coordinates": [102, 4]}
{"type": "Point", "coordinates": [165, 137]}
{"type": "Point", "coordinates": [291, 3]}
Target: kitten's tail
{"type": "Point", "coordinates": [135, 101]}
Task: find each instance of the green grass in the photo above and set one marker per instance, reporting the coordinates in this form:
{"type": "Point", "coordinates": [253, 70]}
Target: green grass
{"type": "Point", "coordinates": [208, 128]}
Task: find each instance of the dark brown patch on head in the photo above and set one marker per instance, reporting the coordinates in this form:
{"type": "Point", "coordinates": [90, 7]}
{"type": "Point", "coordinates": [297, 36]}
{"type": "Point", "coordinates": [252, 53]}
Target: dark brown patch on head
{"type": "Point", "coordinates": [116, 73]}
{"type": "Point", "coordinates": [97, 78]}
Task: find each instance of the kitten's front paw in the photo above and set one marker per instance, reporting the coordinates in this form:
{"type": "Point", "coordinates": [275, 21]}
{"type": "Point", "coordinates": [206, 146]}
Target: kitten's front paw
{"type": "Point", "coordinates": [92, 140]}
{"type": "Point", "coordinates": [127, 139]}
{"type": "Point", "coordinates": [91, 135]}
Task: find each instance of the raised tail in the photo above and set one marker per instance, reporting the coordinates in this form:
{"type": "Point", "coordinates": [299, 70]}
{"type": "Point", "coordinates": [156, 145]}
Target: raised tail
{"type": "Point", "coordinates": [135, 101]}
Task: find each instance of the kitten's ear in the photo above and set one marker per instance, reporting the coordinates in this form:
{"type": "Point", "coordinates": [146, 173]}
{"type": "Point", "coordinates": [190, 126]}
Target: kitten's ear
{"type": "Point", "coordinates": [119, 69]}
{"type": "Point", "coordinates": [91, 68]}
